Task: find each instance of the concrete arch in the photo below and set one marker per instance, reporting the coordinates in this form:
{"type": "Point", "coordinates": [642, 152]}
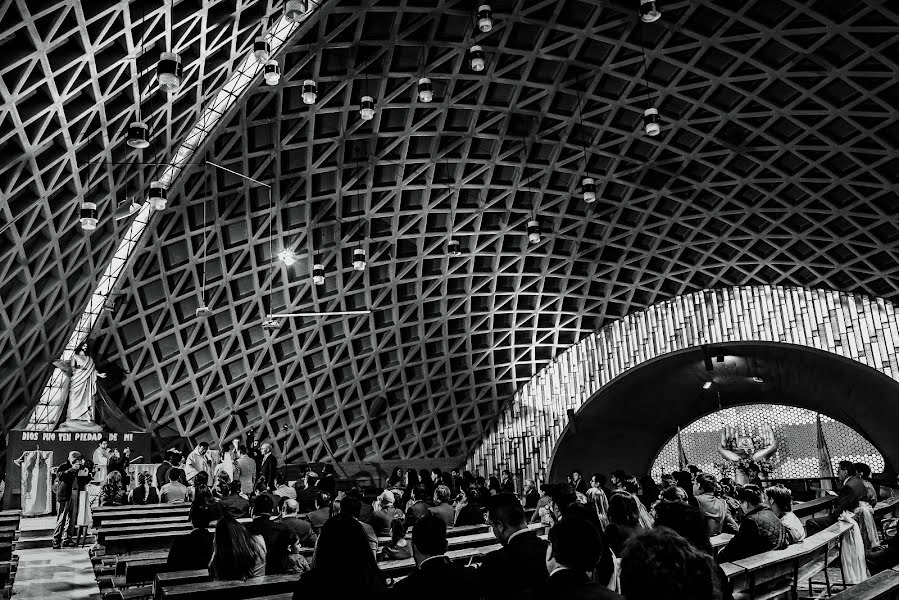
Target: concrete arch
{"type": "Point", "coordinates": [858, 328]}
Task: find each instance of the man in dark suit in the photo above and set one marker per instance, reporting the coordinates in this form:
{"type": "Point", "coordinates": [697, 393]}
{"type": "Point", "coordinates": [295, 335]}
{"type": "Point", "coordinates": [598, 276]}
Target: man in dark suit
{"type": "Point", "coordinates": [575, 548]}
{"type": "Point", "coordinates": [275, 534]}
{"type": "Point", "coordinates": [436, 576]}
{"type": "Point", "coordinates": [851, 493]}
{"type": "Point", "coordinates": [521, 563]}
{"type": "Point", "coordinates": [300, 527]}
{"type": "Point", "coordinates": [267, 466]}
{"type": "Point", "coordinates": [67, 488]}
{"type": "Point", "coordinates": [194, 550]}
{"type": "Point", "coordinates": [322, 512]}
{"type": "Point", "coordinates": [578, 482]}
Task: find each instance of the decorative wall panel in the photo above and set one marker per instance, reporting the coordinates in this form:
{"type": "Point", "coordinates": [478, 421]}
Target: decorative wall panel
{"type": "Point", "coordinates": [852, 326]}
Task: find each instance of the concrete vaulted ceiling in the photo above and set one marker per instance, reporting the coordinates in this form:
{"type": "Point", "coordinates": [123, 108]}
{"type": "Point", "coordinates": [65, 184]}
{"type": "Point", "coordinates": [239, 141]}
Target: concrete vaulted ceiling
{"type": "Point", "coordinates": [777, 164]}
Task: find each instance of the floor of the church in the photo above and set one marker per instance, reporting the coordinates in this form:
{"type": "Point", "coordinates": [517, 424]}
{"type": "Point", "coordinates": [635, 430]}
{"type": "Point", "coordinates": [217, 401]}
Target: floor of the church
{"type": "Point", "coordinates": [44, 573]}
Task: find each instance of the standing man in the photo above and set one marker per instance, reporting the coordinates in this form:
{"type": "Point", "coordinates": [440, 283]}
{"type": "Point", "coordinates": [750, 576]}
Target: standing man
{"type": "Point", "coordinates": [101, 458]}
{"type": "Point", "coordinates": [67, 489]}
{"type": "Point", "coordinates": [162, 471]}
{"type": "Point", "coordinates": [531, 495]}
{"type": "Point", "coordinates": [578, 482]}
{"type": "Point", "coordinates": [247, 471]}
{"type": "Point", "coordinates": [267, 466]}
{"type": "Point", "coordinates": [197, 461]}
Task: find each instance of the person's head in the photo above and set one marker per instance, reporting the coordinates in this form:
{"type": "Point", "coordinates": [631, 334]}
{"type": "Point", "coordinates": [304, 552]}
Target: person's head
{"type": "Point", "coordinates": [573, 543]}
{"type": "Point", "coordinates": [668, 480]}
{"type": "Point", "coordinates": [397, 530]}
{"type": "Point", "coordinates": [428, 538]}
{"type": "Point", "coordinates": [618, 477]}
{"type": "Point", "coordinates": [505, 516]}
{"type": "Point", "coordinates": [322, 499]}
{"type": "Point", "coordinates": [290, 508]}
{"type": "Point", "coordinates": [266, 449]}
{"type": "Point", "coordinates": [386, 499]}
{"type": "Point", "coordinates": [263, 505]}
{"type": "Point", "coordinates": [411, 478]}
{"type": "Point", "coordinates": [424, 476]}
{"type": "Point", "coordinates": [673, 493]}
{"type": "Point", "coordinates": [352, 503]}
{"type": "Point", "coordinates": [343, 556]}
{"type": "Point", "coordinates": [144, 478]}
{"type": "Point", "coordinates": [442, 494]}
{"type": "Point", "coordinates": [280, 478]}
{"type": "Point", "coordinates": [104, 444]}
{"type": "Point", "coordinates": [241, 450]}
{"type": "Point", "coordinates": [420, 492]}
{"type": "Point", "coordinates": [704, 484]}
{"type": "Point", "coordinates": [436, 475]}
{"type": "Point", "coordinates": [311, 479]}
{"type": "Point", "coordinates": [203, 511]}
{"type": "Point", "coordinates": [116, 454]}
{"type": "Point", "coordinates": [576, 475]}
{"type": "Point", "coordinates": [114, 479]}
{"type": "Point", "coordinates": [529, 485]}
{"type": "Point", "coordinates": [397, 474]}
{"type": "Point", "coordinates": [454, 473]}
{"type": "Point", "coordinates": [750, 497]}
{"type": "Point", "coordinates": [235, 553]}
{"type": "Point", "coordinates": [493, 484]}
{"type": "Point", "coordinates": [174, 474]}
{"type": "Point", "coordinates": [693, 470]}
{"type": "Point", "coordinates": [597, 480]}
{"type": "Point", "coordinates": [662, 564]}
{"type": "Point", "coordinates": [780, 499]}
{"type": "Point", "coordinates": [862, 470]}
{"type": "Point", "coordinates": [687, 521]}
{"type": "Point", "coordinates": [684, 480]}
{"type": "Point", "coordinates": [623, 509]}
{"type": "Point", "coordinates": [472, 496]}
{"type": "Point", "coordinates": [506, 475]}
{"type": "Point", "coordinates": [126, 451]}
{"type": "Point", "coordinates": [202, 447]}
{"type": "Point", "coordinates": [235, 488]}
{"type": "Point", "coordinates": [630, 484]}
{"type": "Point", "coordinates": [201, 479]}
{"type": "Point", "coordinates": [76, 459]}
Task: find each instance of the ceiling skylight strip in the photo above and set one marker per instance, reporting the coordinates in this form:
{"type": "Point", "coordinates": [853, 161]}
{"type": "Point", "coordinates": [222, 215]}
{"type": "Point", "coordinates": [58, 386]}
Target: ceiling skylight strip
{"type": "Point", "coordinates": [46, 413]}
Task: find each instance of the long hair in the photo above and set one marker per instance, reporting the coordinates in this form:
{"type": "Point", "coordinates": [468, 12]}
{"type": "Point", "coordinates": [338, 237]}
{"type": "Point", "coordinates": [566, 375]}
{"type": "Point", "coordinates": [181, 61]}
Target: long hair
{"type": "Point", "coordinates": [343, 557]}
{"type": "Point", "coordinates": [235, 553]}
{"type": "Point", "coordinates": [623, 509]}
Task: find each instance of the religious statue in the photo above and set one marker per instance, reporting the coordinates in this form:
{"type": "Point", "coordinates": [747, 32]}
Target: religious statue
{"type": "Point", "coordinates": [81, 392]}
{"type": "Point", "coordinates": [740, 449]}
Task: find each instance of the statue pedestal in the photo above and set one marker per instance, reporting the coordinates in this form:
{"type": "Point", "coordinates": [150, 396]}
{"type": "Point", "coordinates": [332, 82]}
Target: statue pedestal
{"type": "Point", "coordinates": [80, 426]}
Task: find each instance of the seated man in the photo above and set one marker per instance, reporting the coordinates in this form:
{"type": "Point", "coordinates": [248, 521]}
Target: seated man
{"type": "Point", "coordinates": [881, 558]}
{"type": "Point", "coordinates": [419, 506]}
{"type": "Point", "coordinates": [194, 550]}
{"type": "Point", "coordinates": [275, 534]}
{"type": "Point", "coordinates": [436, 576]}
{"type": "Point", "coordinates": [521, 562]}
{"type": "Point", "coordinates": [351, 505]}
{"type": "Point", "coordinates": [760, 530]}
{"type": "Point", "coordinates": [780, 500]}
{"type": "Point", "coordinates": [234, 503]}
{"type": "Point", "coordinates": [174, 491]}
{"type": "Point", "coordinates": [575, 547]}
{"type": "Point", "coordinates": [661, 564]}
{"type": "Point", "coordinates": [852, 492]}
{"type": "Point", "coordinates": [290, 517]}
{"type": "Point", "coordinates": [322, 512]}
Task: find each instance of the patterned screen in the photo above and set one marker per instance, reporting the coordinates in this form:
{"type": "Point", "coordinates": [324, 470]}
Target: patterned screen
{"type": "Point", "coordinates": [794, 428]}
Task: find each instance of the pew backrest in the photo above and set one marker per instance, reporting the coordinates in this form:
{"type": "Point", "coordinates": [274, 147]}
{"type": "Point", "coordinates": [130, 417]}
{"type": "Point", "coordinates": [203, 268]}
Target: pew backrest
{"type": "Point", "coordinates": [883, 586]}
{"type": "Point", "coordinates": [267, 585]}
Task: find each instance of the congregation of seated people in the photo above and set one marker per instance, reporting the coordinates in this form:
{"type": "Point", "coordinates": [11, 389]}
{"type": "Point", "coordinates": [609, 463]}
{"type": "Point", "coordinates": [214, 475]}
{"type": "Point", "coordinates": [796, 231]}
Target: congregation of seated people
{"type": "Point", "coordinates": [604, 538]}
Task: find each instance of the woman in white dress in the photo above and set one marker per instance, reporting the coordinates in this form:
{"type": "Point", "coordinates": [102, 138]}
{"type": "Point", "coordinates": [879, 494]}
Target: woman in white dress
{"type": "Point", "coordinates": [228, 466]}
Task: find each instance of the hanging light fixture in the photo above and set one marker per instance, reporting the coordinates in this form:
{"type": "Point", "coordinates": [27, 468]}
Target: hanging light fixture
{"type": "Point", "coordinates": [359, 259]}
{"type": "Point", "coordinates": [454, 248]}
{"type": "Point", "coordinates": [169, 71]}
{"type": "Point", "coordinates": [287, 256]}
{"type": "Point", "coordinates": [262, 50]}
{"type": "Point", "coordinates": [272, 72]}
{"type": "Point", "coordinates": [271, 324]}
{"type": "Point", "coordinates": [476, 58]}
{"type": "Point", "coordinates": [295, 9]}
{"type": "Point", "coordinates": [157, 195]}
{"type": "Point", "coordinates": [138, 134]}
{"type": "Point", "coordinates": [88, 215]}
{"type": "Point", "coordinates": [534, 231]}
{"type": "Point", "coordinates": [652, 124]}
{"type": "Point", "coordinates": [425, 90]}
{"type": "Point", "coordinates": [648, 11]}
{"type": "Point", "coordinates": [310, 92]}
{"type": "Point", "coordinates": [485, 18]}
{"type": "Point", "coordinates": [589, 188]}
{"type": "Point", "coordinates": [367, 108]}
{"type": "Point", "coordinates": [318, 273]}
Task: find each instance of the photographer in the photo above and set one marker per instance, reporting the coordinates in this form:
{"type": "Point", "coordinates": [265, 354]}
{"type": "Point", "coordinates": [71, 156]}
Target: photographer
{"type": "Point", "coordinates": [67, 488]}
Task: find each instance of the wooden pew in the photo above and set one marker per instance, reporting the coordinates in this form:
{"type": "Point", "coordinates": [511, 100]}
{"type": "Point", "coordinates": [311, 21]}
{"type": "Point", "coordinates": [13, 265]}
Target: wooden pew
{"type": "Point", "coordinates": [103, 514]}
{"type": "Point", "coordinates": [720, 540]}
{"type": "Point", "coordinates": [883, 586]}
{"type": "Point", "coordinates": [258, 587]}
{"type": "Point", "coordinates": [813, 507]}
{"type": "Point", "coordinates": [150, 527]}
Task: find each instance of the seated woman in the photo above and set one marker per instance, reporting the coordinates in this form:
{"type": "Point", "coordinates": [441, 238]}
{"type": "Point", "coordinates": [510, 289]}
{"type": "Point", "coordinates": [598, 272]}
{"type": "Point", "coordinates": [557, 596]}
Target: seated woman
{"type": "Point", "coordinates": [470, 510]}
{"type": "Point", "coordinates": [624, 520]}
{"type": "Point", "coordinates": [113, 492]}
{"type": "Point", "coordinates": [399, 547]}
{"type": "Point", "coordinates": [780, 500]}
{"type": "Point", "coordinates": [236, 555]}
{"type": "Point", "coordinates": [713, 508]}
{"type": "Point", "coordinates": [343, 560]}
{"type": "Point", "coordinates": [144, 493]}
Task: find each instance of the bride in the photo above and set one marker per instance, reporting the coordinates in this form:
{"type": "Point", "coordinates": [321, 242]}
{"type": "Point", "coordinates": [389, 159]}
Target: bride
{"type": "Point", "coordinates": [228, 466]}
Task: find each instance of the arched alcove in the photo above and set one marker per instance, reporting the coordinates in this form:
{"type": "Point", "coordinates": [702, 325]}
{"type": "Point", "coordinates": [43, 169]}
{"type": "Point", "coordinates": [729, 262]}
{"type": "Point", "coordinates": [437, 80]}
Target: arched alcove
{"type": "Point", "coordinates": [627, 421]}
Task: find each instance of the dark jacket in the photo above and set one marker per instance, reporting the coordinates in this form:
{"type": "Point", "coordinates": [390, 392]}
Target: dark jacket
{"type": "Point", "coordinates": [582, 486]}
{"type": "Point", "coordinates": [471, 514]}
{"type": "Point", "coordinates": [416, 511]}
{"type": "Point", "coordinates": [569, 584]}
{"type": "Point", "coordinates": [531, 499]}
{"type": "Point", "coordinates": [316, 584]}
{"type": "Point", "coordinates": [319, 517]}
{"type": "Point", "coordinates": [191, 551]}
{"type": "Point", "coordinates": [520, 565]}
{"type": "Point", "coordinates": [302, 529]}
{"type": "Point", "coordinates": [162, 473]}
{"type": "Point", "coordinates": [144, 496]}
{"type": "Point", "coordinates": [306, 499]}
{"type": "Point", "coordinates": [438, 578]}
{"type": "Point", "coordinates": [760, 531]}
{"type": "Point", "coordinates": [235, 505]}
{"type": "Point", "coordinates": [618, 535]}
{"type": "Point", "coordinates": [66, 482]}
{"type": "Point", "coordinates": [266, 471]}
{"type": "Point", "coordinates": [276, 539]}
{"type": "Point", "coordinates": [850, 494]}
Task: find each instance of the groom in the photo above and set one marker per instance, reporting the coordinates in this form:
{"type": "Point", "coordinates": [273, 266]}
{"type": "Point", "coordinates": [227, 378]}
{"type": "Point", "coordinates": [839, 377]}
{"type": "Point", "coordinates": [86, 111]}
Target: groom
{"type": "Point", "coordinates": [67, 488]}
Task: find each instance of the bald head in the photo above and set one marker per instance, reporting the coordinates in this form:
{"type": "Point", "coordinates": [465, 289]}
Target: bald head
{"type": "Point", "coordinates": [290, 507]}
